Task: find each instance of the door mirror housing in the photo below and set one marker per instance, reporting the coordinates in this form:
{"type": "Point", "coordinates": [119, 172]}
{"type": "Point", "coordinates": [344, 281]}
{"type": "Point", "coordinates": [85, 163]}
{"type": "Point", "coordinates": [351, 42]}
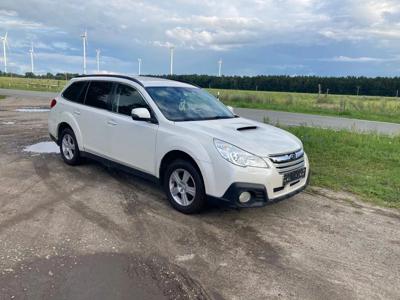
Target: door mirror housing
{"type": "Point", "coordinates": [141, 114]}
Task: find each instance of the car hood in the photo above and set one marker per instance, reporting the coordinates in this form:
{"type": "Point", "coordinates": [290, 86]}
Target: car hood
{"type": "Point", "coordinates": [257, 138]}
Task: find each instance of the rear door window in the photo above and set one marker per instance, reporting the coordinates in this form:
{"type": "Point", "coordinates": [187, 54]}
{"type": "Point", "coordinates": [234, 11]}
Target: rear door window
{"type": "Point", "coordinates": [126, 99]}
{"type": "Point", "coordinates": [76, 92]}
{"type": "Point", "coordinates": [99, 94]}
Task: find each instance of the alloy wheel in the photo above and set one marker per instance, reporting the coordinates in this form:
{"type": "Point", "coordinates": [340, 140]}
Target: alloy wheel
{"type": "Point", "coordinates": [68, 146]}
{"type": "Point", "coordinates": [182, 187]}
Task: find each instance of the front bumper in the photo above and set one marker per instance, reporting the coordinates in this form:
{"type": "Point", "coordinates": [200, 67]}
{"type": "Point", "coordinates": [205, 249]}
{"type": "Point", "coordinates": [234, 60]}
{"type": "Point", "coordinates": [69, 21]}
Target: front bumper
{"type": "Point", "coordinates": [259, 194]}
{"type": "Point", "coordinates": [225, 181]}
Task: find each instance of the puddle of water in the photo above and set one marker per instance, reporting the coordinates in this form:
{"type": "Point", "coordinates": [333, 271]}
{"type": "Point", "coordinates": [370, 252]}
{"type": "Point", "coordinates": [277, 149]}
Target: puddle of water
{"type": "Point", "coordinates": [32, 109]}
{"type": "Point", "coordinates": [43, 147]}
{"type": "Point", "coordinates": [8, 123]}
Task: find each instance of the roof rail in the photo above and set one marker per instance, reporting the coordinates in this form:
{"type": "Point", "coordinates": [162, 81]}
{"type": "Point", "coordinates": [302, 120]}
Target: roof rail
{"type": "Point", "coordinates": [112, 75]}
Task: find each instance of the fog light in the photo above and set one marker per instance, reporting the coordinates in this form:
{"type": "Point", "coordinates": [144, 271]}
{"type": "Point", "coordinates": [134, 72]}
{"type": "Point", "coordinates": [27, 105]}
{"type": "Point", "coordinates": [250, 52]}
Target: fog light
{"type": "Point", "coordinates": [244, 197]}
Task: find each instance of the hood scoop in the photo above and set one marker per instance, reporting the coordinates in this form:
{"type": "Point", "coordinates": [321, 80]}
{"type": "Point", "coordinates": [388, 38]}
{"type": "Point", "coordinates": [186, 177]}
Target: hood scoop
{"type": "Point", "coordinates": [246, 128]}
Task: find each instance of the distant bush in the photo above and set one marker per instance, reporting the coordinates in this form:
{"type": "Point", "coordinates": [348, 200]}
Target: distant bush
{"type": "Point", "coordinates": [379, 86]}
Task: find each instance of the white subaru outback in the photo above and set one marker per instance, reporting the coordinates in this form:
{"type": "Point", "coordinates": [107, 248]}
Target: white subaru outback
{"type": "Point", "coordinates": [179, 135]}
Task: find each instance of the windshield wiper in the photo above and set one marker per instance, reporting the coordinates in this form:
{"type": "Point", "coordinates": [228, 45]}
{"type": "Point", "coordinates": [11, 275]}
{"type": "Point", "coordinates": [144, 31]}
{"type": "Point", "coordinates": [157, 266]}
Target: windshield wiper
{"type": "Point", "coordinates": [204, 119]}
{"type": "Point", "coordinates": [219, 117]}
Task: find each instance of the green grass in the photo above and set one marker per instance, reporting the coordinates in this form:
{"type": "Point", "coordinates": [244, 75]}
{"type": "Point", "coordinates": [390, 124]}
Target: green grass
{"type": "Point", "coordinates": [385, 109]}
{"type": "Point", "coordinates": [31, 84]}
{"type": "Point", "coordinates": [2, 97]}
{"type": "Point", "coordinates": [367, 165]}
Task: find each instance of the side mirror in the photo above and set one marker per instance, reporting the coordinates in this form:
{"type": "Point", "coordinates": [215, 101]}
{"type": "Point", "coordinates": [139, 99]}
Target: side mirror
{"type": "Point", "coordinates": [140, 114]}
{"type": "Point", "coordinates": [231, 109]}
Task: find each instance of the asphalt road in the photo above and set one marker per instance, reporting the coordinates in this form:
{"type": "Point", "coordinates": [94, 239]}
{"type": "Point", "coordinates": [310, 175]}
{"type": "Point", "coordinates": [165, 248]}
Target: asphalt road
{"type": "Point", "coordinates": [27, 94]}
{"type": "Point", "coordinates": [297, 119]}
{"type": "Point", "coordinates": [284, 118]}
{"type": "Point", "coordinates": [89, 232]}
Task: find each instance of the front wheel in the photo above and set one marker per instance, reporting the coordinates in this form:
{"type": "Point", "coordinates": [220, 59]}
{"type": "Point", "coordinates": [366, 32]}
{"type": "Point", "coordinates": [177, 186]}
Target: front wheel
{"type": "Point", "coordinates": [69, 147]}
{"type": "Point", "coordinates": [184, 187]}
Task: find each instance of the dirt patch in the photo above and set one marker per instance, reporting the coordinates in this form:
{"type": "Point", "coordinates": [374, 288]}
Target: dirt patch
{"type": "Point", "coordinates": [99, 276]}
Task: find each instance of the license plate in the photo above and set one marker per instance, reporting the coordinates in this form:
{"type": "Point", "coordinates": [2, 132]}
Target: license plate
{"type": "Point", "coordinates": [294, 175]}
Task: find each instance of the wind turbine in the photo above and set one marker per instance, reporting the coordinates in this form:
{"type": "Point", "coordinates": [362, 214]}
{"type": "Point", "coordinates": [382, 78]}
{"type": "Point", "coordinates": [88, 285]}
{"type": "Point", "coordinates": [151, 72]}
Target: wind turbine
{"type": "Point", "coordinates": [5, 43]}
{"type": "Point", "coordinates": [98, 59]}
{"type": "Point", "coordinates": [31, 53]}
{"type": "Point", "coordinates": [220, 68]}
{"type": "Point", "coordinates": [171, 49]}
{"type": "Point", "coordinates": [140, 66]}
{"type": "Point", "coordinates": [84, 40]}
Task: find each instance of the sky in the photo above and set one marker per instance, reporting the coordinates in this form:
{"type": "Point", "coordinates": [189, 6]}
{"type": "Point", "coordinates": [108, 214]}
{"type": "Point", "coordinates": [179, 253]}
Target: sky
{"type": "Point", "coordinates": [258, 37]}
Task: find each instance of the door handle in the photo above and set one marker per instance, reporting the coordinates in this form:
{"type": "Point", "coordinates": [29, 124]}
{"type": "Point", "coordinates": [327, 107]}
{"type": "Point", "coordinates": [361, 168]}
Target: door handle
{"type": "Point", "coordinates": [111, 122]}
{"type": "Point", "coordinates": [77, 112]}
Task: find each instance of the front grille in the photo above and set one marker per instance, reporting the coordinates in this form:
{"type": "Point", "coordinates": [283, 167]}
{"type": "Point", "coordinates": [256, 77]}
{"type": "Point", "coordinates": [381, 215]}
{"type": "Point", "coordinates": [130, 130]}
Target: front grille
{"type": "Point", "coordinates": [288, 162]}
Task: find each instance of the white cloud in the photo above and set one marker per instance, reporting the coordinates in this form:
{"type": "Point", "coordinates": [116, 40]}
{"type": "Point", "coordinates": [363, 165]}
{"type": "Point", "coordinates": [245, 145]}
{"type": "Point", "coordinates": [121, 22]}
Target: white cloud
{"type": "Point", "coordinates": [357, 59]}
{"type": "Point", "coordinates": [8, 13]}
{"type": "Point", "coordinates": [162, 44]}
{"type": "Point", "coordinates": [218, 22]}
{"type": "Point", "coordinates": [9, 19]}
{"type": "Point", "coordinates": [352, 20]}
{"type": "Point", "coordinates": [63, 46]}
{"type": "Point", "coordinates": [217, 40]}
{"type": "Point", "coordinates": [361, 59]}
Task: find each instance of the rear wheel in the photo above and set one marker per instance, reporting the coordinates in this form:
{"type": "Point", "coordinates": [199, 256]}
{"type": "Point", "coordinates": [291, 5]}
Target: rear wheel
{"type": "Point", "coordinates": [184, 187]}
{"type": "Point", "coordinates": [69, 147]}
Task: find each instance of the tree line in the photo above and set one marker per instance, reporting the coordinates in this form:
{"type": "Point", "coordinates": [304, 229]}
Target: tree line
{"type": "Point", "coordinates": [57, 76]}
{"type": "Point", "coordinates": [378, 86]}
{"type": "Point", "coordinates": [368, 86]}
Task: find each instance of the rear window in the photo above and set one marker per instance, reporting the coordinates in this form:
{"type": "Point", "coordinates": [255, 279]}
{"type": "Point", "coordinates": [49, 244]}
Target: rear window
{"type": "Point", "coordinates": [99, 94]}
{"type": "Point", "coordinates": [76, 92]}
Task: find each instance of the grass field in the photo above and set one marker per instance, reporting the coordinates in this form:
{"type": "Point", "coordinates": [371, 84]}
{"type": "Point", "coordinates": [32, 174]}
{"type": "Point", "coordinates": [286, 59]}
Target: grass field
{"type": "Point", "coordinates": [32, 84]}
{"type": "Point", "coordinates": [367, 165]}
{"type": "Point", "coordinates": [368, 108]}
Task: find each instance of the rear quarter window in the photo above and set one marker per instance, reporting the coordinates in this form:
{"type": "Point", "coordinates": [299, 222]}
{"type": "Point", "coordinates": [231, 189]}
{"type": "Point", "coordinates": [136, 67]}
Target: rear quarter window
{"type": "Point", "coordinates": [76, 92]}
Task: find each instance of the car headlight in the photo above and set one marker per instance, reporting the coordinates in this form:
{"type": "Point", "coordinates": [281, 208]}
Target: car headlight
{"type": "Point", "coordinates": [238, 156]}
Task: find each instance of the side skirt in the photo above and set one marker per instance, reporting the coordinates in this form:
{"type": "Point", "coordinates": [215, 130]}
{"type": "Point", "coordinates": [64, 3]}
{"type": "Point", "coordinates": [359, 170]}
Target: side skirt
{"type": "Point", "coordinates": [115, 165]}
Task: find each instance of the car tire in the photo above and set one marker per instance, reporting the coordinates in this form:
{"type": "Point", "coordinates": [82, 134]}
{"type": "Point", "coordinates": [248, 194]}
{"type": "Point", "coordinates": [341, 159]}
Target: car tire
{"type": "Point", "coordinates": [184, 187]}
{"type": "Point", "coordinates": [69, 147]}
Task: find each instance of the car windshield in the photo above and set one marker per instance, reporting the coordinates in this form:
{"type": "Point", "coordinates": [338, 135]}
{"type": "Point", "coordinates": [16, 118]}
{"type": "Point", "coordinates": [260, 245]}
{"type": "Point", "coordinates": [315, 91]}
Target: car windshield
{"type": "Point", "coordinates": [188, 104]}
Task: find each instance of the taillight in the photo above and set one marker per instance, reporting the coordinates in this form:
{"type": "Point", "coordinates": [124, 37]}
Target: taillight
{"type": "Point", "coordinates": [53, 103]}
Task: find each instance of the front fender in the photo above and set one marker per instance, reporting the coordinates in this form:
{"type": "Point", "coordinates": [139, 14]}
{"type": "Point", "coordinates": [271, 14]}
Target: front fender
{"type": "Point", "coordinates": [191, 146]}
{"type": "Point", "coordinates": [187, 144]}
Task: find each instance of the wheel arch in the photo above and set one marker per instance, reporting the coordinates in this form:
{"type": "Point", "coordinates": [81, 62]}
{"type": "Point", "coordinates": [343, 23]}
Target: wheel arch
{"type": "Point", "coordinates": [61, 127]}
{"type": "Point", "coordinates": [68, 121]}
{"type": "Point", "coordinates": [174, 155]}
